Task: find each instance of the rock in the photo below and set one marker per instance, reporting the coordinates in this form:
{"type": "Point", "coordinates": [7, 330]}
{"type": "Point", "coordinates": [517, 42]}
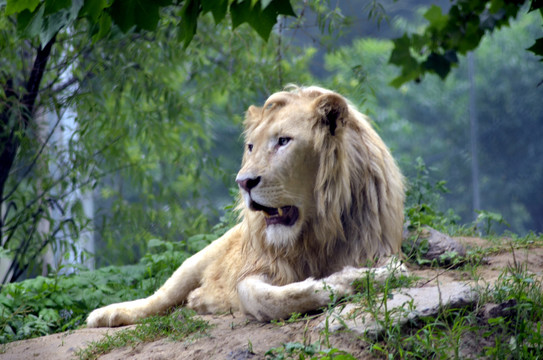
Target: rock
{"type": "Point", "coordinates": [401, 306]}
{"type": "Point", "coordinates": [506, 310]}
{"type": "Point", "coordinates": [441, 248]}
{"type": "Point", "coordinates": [240, 354]}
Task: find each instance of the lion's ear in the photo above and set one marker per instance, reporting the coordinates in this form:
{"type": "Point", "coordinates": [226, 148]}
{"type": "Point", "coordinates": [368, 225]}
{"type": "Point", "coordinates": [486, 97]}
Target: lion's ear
{"type": "Point", "coordinates": [331, 111]}
{"type": "Point", "coordinates": [252, 115]}
{"type": "Point", "coordinates": [253, 111]}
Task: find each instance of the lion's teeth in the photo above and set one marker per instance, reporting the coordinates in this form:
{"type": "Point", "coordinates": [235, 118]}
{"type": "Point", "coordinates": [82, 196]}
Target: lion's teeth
{"type": "Point", "coordinates": [280, 211]}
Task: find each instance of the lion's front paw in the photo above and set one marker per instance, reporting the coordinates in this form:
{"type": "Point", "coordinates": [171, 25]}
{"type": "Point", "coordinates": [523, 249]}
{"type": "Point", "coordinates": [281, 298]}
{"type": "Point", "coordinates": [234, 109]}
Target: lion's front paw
{"type": "Point", "coordinates": [111, 316]}
{"type": "Point", "coordinates": [341, 282]}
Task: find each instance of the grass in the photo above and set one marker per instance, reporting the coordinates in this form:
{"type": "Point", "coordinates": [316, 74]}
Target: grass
{"type": "Point", "coordinates": [176, 326]}
{"type": "Point", "coordinates": [513, 330]}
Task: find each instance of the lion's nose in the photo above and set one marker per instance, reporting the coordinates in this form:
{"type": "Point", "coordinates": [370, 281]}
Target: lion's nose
{"type": "Point", "coordinates": [248, 183]}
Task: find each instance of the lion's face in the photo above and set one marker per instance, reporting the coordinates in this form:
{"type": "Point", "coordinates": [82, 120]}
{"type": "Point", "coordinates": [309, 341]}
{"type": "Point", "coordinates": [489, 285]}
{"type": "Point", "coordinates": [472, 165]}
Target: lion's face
{"type": "Point", "coordinates": [280, 164]}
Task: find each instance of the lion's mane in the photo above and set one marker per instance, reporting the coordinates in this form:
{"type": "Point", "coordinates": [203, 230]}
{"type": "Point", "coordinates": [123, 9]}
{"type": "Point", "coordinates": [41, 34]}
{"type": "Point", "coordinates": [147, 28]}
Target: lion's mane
{"type": "Point", "coordinates": [359, 201]}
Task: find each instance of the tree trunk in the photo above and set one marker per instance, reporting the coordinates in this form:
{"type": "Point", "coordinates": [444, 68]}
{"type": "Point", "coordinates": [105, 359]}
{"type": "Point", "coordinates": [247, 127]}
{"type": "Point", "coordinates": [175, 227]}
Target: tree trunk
{"type": "Point", "coordinates": [474, 135]}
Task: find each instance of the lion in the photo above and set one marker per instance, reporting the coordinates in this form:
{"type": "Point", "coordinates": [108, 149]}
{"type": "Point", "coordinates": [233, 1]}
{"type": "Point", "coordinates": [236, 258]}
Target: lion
{"type": "Point", "coordinates": [321, 195]}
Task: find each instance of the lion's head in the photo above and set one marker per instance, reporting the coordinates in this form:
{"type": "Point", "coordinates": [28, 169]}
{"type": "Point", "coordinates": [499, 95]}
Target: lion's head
{"type": "Point", "coordinates": [320, 188]}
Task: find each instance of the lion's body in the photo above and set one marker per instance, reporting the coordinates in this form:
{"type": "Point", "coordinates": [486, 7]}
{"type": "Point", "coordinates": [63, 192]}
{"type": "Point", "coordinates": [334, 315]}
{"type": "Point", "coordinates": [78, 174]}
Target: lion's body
{"type": "Point", "coordinates": [322, 195]}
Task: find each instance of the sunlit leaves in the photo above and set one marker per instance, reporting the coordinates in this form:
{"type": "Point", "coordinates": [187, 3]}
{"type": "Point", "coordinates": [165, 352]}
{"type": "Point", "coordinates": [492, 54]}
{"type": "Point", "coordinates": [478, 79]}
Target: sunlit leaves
{"type": "Point", "coordinates": [93, 9]}
{"type": "Point", "coordinates": [401, 56]}
{"type": "Point", "coordinates": [436, 18]}
{"type": "Point", "coordinates": [44, 18]}
{"type": "Point", "coordinates": [17, 6]}
{"type": "Point", "coordinates": [189, 20]}
{"type": "Point", "coordinates": [217, 7]}
{"type": "Point", "coordinates": [537, 48]}
{"type": "Point", "coordinates": [143, 14]}
{"type": "Point", "coordinates": [447, 35]}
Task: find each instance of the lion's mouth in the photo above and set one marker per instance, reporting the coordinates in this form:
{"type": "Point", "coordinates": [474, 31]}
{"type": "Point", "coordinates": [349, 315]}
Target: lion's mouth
{"type": "Point", "coordinates": [286, 215]}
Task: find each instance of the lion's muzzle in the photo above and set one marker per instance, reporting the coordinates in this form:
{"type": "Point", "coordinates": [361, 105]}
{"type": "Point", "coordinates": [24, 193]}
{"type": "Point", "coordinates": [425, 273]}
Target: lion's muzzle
{"type": "Point", "coordinates": [286, 215]}
{"type": "Point", "coordinates": [248, 183]}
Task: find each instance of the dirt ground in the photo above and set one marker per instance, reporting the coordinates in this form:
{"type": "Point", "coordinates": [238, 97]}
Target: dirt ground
{"type": "Point", "coordinates": [233, 336]}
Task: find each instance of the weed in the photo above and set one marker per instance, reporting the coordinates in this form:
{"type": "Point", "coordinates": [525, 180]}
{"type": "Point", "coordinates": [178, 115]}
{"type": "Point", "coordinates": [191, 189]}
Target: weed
{"type": "Point", "coordinates": [487, 219]}
{"type": "Point", "coordinates": [296, 350]}
{"type": "Point", "coordinates": [46, 305]}
{"type": "Point", "coordinates": [517, 331]}
{"type": "Point", "coordinates": [422, 198]}
{"type": "Point", "coordinates": [177, 325]}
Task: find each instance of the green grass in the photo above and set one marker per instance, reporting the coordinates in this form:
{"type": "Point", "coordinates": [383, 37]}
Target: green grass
{"type": "Point", "coordinates": [296, 350]}
{"type": "Point", "coordinates": [175, 326]}
{"type": "Point", "coordinates": [514, 333]}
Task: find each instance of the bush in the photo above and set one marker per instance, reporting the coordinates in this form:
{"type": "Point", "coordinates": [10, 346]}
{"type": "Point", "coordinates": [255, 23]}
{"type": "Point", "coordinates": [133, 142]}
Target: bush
{"type": "Point", "coordinates": [46, 305]}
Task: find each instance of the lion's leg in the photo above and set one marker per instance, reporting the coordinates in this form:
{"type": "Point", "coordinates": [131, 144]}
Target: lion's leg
{"type": "Point", "coordinates": [174, 291]}
{"type": "Point", "coordinates": [267, 302]}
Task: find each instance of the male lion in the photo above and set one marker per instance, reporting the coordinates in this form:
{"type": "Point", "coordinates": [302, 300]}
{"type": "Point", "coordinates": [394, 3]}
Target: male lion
{"type": "Point", "coordinates": [321, 196]}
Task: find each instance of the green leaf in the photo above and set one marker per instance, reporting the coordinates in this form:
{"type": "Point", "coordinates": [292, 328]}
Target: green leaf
{"type": "Point", "coordinates": [146, 15]}
{"type": "Point", "coordinates": [265, 3]}
{"type": "Point", "coordinates": [50, 27]}
{"type": "Point", "coordinates": [123, 14]}
{"type": "Point", "coordinates": [471, 38]}
{"type": "Point", "coordinates": [401, 53]}
{"type": "Point", "coordinates": [104, 26]}
{"type": "Point", "coordinates": [17, 6]}
{"type": "Point", "coordinates": [189, 20]}
{"type": "Point", "coordinates": [218, 8]}
{"type": "Point", "coordinates": [436, 18]}
{"type": "Point", "coordinates": [30, 23]}
{"type": "Point", "coordinates": [261, 20]}
{"type": "Point", "coordinates": [53, 6]}
{"type": "Point", "coordinates": [281, 7]}
{"type": "Point", "coordinates": [240, 12]}
{"type": "Point", "coordinates": [401, 56]}
{"type": "Point", "coordinates": [266, 17]}
{"type": "Point", "coordinates": [94, 9]}
{"type": "Point", "coordinates": [537, 48]}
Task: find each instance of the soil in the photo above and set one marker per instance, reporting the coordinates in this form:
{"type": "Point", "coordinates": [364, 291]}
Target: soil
{"type": "Point", "coordinates": [234, 337]}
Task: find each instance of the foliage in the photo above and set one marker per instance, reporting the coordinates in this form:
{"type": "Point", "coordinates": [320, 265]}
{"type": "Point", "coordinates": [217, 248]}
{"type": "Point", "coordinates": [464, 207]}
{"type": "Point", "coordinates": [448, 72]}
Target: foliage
{"type": "Point", "coordinates": [430, 120]}
{"type": "Point", "coordinates": [45, 18]}
{"type": "Point", "coordinates": [143, 113]}
{"type": "Point", "coordinates": [488, 218]}
{"type": "Point", "coordinates": [61, 302]}
{"type": "Point", "coordinates": [175, 326]}
{"type": "Point", "coordinates": [512, 332]}
{"type": "Point", "coordinates": [423, 198]}
{"type": "Point", "coordinates": [518, 330]}
{"type": "Point", "coordinates": [459, 31]}
{"type": "Point", "coordinates": [45, 305]}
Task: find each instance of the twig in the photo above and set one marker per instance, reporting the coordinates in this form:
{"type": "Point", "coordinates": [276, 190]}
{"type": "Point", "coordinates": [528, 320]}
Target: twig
{"type": "Point", "coordinates": [33, 163]}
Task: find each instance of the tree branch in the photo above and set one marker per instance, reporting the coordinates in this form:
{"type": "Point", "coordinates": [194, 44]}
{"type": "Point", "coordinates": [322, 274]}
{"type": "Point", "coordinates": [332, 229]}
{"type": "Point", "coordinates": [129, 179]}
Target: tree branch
{"type": "Point", "coordinates": [33, 84]}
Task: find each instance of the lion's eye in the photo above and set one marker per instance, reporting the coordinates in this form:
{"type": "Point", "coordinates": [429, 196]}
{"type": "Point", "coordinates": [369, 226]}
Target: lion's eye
{"type": "Point", "coordinates": [250, 147]}
{"type": "Point", "coordinates": [282, 141]}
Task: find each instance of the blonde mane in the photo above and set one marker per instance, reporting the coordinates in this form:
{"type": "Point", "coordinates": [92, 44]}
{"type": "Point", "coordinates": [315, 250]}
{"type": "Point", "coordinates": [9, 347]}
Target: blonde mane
{"type": "Point", "coordinates": [359, 201]}
{"type": "Point", "coordinates": [322, 197]}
